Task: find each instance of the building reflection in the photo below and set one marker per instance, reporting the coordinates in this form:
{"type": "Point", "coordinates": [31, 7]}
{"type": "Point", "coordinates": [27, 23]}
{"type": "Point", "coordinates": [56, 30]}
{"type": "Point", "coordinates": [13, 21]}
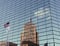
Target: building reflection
{"type": "Point", "coordinates": [29, 37]}
{"type": "Point", "coordinates": [3, 43]}
{"type": "Point", "coordinates": [28, 43]}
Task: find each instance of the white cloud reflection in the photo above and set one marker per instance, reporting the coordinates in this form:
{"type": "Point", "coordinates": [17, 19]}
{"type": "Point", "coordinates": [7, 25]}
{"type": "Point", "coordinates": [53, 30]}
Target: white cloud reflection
{"type": "Point", "coordinates": [42, 11]}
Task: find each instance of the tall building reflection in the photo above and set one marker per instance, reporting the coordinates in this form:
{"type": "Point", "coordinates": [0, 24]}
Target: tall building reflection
{"type": "Point", "coordinates": [29, 37]}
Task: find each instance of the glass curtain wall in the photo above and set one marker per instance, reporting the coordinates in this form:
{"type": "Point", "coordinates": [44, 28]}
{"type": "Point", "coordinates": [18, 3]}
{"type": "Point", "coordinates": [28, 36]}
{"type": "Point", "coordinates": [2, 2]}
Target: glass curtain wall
{"type": "Point", "coordinates": [55, 13]}
{"type": "Point", "coordinates": [44, 14]}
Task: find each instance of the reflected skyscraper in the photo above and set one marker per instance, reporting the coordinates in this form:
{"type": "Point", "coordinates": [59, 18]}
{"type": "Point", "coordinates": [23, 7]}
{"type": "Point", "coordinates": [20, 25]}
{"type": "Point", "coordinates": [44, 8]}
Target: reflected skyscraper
{"type": "Point", "coordinates": [29, 36]}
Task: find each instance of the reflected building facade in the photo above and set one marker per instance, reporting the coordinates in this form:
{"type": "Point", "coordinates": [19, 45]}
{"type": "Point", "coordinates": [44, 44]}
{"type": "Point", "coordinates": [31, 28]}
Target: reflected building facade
{"type": "Point", "coordinates": [29, 37]}
{"type": "Point", "coordinates": [3, 43]}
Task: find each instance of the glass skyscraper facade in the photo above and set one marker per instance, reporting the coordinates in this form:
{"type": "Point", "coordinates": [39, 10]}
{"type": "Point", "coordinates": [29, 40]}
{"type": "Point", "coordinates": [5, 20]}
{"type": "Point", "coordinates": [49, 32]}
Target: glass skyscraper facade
{"type": "Point", "coordinates": [45, 15]}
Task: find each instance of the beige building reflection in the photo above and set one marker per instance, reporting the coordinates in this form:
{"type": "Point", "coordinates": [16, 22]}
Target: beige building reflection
{"type": "Point", "coordinates": [29, 37]}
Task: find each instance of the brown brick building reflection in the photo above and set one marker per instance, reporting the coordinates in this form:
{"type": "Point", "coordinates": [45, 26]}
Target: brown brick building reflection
{"type": "Point", "coordinates": [29, 35]}
{"type": "Point", "coordinates": [3, 43]}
